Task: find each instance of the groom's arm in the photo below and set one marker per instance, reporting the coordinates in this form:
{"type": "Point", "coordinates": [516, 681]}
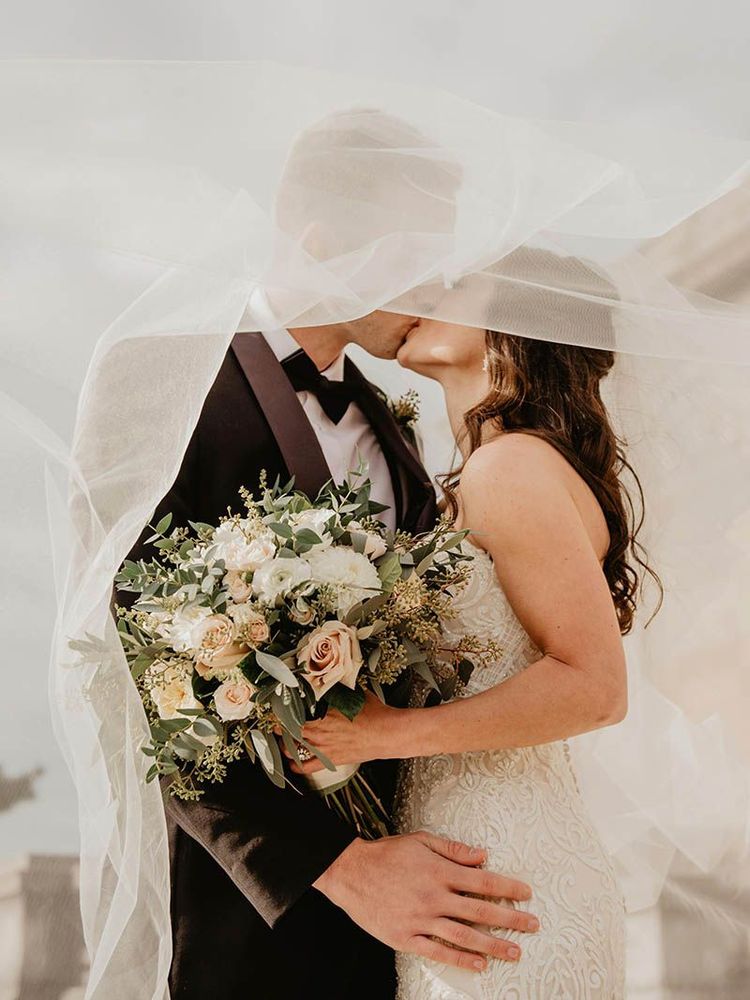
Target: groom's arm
{"type": "Point", "coordinates": [273, 843]}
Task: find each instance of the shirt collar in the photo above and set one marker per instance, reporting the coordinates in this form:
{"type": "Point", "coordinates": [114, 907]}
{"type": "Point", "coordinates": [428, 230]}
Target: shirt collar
{"type": "Point", "coordinates": [283, 344]}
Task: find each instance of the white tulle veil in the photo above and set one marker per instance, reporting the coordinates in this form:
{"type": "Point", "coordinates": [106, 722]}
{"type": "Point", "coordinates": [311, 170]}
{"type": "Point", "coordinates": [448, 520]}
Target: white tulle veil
{"type": "Point", "coordinates": [151, 210]}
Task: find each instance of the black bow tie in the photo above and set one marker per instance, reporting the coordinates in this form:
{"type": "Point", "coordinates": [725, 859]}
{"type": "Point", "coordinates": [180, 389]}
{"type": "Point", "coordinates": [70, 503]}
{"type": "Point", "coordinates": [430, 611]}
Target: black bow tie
{"type": "Point", "coordinates": [334, 397]}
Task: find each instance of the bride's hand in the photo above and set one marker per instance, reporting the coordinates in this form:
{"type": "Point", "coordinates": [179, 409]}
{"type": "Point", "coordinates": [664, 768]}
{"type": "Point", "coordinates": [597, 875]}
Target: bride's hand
{"type": "Point", "coordinates": [343, 741]}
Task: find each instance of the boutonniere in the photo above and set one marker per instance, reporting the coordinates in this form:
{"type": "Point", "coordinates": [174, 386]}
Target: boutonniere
{"type": "Point", "coordinates": [405, 409]}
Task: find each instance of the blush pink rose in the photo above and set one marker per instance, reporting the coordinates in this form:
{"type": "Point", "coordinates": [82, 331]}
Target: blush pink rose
{"type": "Point", "coordinates": [330, 655]}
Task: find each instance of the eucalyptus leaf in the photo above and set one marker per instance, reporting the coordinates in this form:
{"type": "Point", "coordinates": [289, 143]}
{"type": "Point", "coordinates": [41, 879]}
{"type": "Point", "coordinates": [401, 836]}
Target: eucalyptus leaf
{"type": "Point", "coordinates": [206, 727]}
{"type": "Point", "coordinates": [282, 530]}
{"type": "Point", "coordinates": [269, 756]}
{"type": "Point", "coordinates": [308, 537]}
{"type": "Point", "coordinates": [174, 725]}
{"type": "Point", "coordinates": [283, 713]}
{"type": "Point", "coordinates": [163, 524]}
{"type": "Point", "coordinates": [421, 668]}
{"type": "Point", "coordinates": [372, 629]}
{"type": "Point", "coordinates": [360, 611]}
{"type": "Point", "coordinates": [389, 570]}
{"type": "Point", "coordinates": [291, 745]}
{"type": "Point", "coordinates": [276, 668]}
{"type": "Point", "coordinates": [377, 687]}
{"type": "Point", "coordinates": [424, 564]}
{"type": "Point", "coordinates": [453, 540]}
{"type": "Point", "coordinates": [413, 652]}
{"type": "Point", "coordinates": [201, 528]}
{"type": "Point", "coordinates": [325, 761]}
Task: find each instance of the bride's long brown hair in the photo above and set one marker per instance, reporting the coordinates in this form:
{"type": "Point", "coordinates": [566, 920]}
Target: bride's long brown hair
{"type": "Point", "coordinates": [552, 391]}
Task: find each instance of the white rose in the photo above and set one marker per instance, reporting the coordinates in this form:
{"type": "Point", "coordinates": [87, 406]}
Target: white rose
{"type": "Point", "coordinates": [237, 552]}
{"type": "Point", "coordinates": [238, 587]}
{"type": "Point", "coordinates": [218, 651]}
{"type": "Point", "coordinates": [351, 574]}
{"type": "Point", "coordinates": [330, 655]}
{"type": "Point", "coordinates": [233, 699]}
{"type": "Point", "coordinates": [279, 577]}
{"type": "Point", "coordinates": [181, 633]}
{"type": "Point", "coordinates": [314, 520]}
{"type": "Point", "coordinates": [172, 691]}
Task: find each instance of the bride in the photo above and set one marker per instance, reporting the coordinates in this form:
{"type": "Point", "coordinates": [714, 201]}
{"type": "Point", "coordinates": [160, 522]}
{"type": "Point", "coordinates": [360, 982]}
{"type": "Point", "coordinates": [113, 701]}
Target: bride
{"type": "Point", "coordinates": [554, 583]}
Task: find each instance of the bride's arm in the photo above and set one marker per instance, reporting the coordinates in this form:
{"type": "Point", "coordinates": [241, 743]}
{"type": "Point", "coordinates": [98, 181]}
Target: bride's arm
{"type": "Point", "coordinates": [519, 506]}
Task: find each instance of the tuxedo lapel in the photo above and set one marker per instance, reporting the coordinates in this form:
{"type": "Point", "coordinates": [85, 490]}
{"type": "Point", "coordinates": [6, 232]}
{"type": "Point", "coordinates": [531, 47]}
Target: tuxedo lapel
{"type": "Point", "coordinates": [415, 496]}
{"type": "Point", "coordinates": [282, 409]}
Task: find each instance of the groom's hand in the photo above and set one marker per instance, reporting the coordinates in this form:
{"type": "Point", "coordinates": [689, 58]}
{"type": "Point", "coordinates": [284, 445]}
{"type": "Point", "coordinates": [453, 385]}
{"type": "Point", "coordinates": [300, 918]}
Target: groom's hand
{"type": "Point", "coordinates": [410, 890]}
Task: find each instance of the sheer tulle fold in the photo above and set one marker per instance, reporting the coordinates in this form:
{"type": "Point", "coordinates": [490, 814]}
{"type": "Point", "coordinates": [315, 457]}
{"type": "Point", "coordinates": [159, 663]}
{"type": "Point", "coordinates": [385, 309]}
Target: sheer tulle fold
{"type": "Point", "coordinates": [151, 210]}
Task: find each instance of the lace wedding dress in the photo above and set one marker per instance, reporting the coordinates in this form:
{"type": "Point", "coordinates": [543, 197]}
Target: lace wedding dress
{"type": "Point", "coordinates": [524, 806]}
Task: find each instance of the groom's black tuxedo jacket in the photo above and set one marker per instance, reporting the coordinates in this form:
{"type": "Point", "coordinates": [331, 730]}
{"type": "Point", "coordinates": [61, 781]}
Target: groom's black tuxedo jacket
{"type": "Point", "coordinates": [246, 921]}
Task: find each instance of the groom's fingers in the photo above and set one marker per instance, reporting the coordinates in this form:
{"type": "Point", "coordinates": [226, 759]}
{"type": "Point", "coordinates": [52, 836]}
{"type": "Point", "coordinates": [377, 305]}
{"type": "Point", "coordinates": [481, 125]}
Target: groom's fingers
{"type": "Point", "coordinates": [490, 884]}
{"type": "Point", "coordinates": [429, 948]}
{"type": "Point", "coordinates": [481, 911]}
{"type": "Point", "coordinates": [453, 850]}
{"type": "Point", "coordinates": [470, 939]}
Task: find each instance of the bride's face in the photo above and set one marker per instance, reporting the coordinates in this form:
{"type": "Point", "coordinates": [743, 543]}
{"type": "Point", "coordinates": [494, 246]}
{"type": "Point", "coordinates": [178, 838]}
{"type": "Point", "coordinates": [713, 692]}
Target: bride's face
{"type": "Point", "coordinates": [434, 347]}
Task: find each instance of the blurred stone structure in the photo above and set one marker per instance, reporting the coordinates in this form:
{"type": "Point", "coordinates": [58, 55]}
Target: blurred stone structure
{"type": "Point", "coordinates": [42, 954]}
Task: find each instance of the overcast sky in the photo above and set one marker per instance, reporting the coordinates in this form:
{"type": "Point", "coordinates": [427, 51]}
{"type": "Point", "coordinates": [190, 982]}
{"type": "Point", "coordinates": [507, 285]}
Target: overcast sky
{"type": "Point", "coordinates": [669, 61]}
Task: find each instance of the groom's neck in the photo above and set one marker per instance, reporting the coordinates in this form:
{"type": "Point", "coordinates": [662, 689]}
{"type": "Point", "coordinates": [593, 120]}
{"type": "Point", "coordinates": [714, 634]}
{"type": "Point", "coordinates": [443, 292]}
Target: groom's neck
{"type": "Point", "coordinates": [322, 344]}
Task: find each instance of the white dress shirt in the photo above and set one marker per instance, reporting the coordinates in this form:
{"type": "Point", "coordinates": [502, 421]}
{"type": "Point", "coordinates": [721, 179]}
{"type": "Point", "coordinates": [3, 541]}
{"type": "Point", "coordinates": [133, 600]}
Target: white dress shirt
{"type": "Point", "coordinates": [349, 441]}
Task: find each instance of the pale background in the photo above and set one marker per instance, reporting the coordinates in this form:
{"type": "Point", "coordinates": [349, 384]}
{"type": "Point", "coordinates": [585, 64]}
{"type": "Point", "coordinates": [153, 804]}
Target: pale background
{"type": "Point", "coordinates": [635, 60]}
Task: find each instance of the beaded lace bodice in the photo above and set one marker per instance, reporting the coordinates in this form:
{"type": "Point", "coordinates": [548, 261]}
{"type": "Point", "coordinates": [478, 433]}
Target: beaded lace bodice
{"type": "Point", "coordinates": [524, 806]}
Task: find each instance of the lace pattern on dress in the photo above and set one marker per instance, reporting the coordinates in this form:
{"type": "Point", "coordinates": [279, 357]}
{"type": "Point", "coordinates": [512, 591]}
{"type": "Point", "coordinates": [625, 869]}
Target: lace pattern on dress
{"type": "Point", "coordinates": [524, 806]}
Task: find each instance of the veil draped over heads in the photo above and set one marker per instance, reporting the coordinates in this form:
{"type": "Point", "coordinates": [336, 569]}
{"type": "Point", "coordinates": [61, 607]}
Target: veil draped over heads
{"type": "Point", "coordinates": [151, 210]}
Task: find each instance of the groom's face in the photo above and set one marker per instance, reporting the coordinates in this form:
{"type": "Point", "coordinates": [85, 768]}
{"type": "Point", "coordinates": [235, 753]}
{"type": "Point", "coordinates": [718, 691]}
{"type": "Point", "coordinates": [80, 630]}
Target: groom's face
{"type": "Point", "coordinates": [382, 334]}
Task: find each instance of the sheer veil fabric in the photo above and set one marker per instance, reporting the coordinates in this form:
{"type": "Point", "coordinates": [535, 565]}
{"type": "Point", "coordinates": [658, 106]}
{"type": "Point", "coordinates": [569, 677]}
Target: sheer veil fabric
{"type": "Point", "coordinates": [151, 210]}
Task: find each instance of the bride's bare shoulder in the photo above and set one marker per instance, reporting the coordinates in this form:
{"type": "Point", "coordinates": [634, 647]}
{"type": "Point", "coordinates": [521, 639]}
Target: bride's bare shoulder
{"type": "Point", "coordinates": [517, 458]}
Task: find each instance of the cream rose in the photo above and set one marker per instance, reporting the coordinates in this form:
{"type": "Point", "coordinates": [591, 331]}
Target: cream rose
{"type": "Point", "coordinates": [251, 625]}
{"type": "Point", "coordinates": [330, 655]}
{"type": "Point", "coordinates": [172, 691]}
{"type": "Point", "coordinates": [238, 587]}
{"type": "Point", "coordinates": [279, 577]}
{"type": "Point", "coordinates": [233, 700]}
{"type": "Point", "coordinates": [218, 651]}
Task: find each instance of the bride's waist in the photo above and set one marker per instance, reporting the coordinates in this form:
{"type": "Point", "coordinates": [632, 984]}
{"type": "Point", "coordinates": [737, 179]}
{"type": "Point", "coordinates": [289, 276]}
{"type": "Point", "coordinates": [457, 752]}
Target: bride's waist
{"type": "Point", "coordinates": [543, 761]}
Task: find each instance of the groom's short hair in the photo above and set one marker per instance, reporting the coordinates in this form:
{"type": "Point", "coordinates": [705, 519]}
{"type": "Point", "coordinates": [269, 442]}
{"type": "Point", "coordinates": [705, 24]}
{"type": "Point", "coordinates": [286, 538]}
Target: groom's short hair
{"type": "Point", "coordinates": [363, 174]}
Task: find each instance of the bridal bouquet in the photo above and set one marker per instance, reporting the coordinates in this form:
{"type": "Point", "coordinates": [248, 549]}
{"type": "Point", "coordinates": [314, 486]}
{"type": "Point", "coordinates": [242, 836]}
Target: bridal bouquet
{"type": "Point", "coordinates": [243, 631]}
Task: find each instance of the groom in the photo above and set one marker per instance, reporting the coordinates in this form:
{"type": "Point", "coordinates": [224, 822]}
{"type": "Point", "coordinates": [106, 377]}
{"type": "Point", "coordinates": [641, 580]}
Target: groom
{"type": "Point", "coordinates": [274, 897]}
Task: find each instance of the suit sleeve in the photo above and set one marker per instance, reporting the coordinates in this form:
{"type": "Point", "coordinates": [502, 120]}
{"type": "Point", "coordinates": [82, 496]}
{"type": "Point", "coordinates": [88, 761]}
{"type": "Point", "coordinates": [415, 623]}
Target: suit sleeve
{"type": "Point", "coordinates": [273, 843]}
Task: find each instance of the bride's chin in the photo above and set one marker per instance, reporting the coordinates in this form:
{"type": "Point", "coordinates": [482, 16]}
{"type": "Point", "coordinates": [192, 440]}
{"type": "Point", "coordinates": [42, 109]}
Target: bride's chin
{"type": "Point", "coordinates": [416, 359]}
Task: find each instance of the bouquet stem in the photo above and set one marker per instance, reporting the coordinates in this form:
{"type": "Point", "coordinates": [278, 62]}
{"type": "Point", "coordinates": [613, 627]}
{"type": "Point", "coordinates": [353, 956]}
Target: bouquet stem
{"type": "Point", "coordinates": [348, 792]}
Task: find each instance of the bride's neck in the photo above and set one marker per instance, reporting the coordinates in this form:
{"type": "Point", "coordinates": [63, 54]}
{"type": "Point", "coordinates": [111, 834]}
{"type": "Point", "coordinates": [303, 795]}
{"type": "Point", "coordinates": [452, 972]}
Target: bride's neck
{"type": "Point", "coordinates": [463, 390]}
